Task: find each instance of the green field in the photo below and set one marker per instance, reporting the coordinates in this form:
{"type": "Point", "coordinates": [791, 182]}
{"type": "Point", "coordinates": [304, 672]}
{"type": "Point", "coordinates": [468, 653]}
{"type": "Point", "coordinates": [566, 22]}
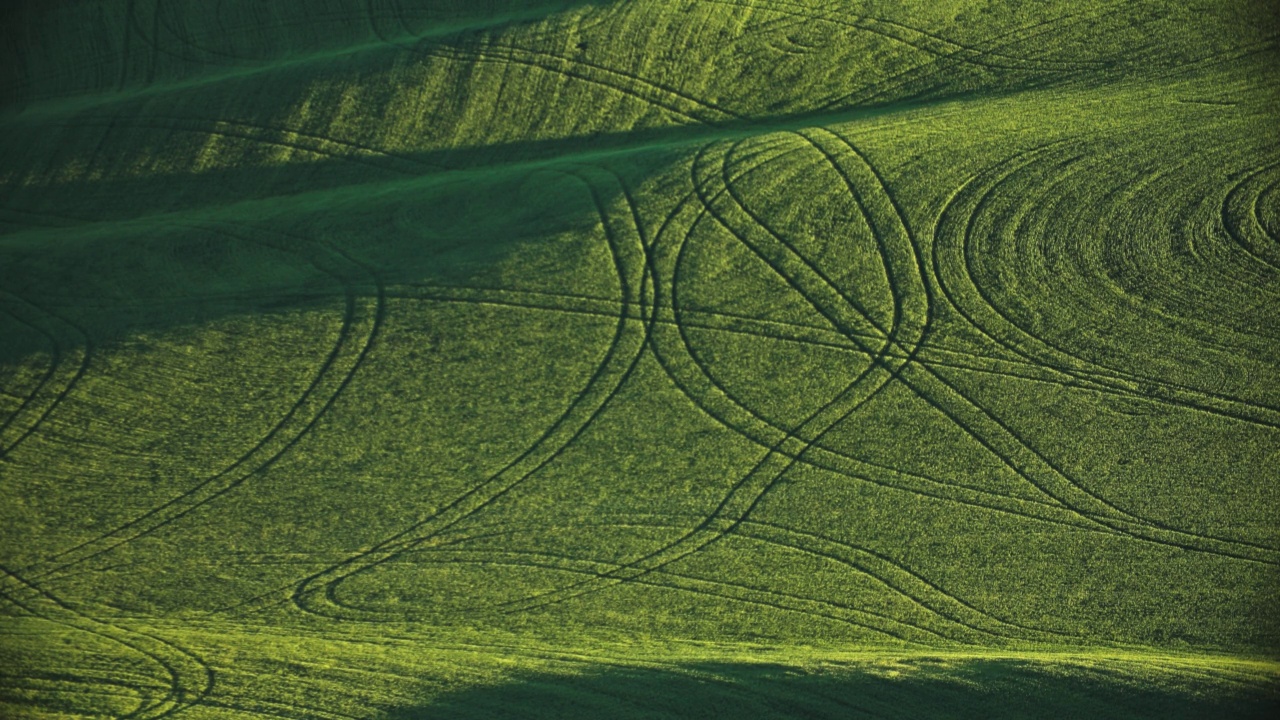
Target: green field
{"type": "Point", "coordinates": [639, 358]}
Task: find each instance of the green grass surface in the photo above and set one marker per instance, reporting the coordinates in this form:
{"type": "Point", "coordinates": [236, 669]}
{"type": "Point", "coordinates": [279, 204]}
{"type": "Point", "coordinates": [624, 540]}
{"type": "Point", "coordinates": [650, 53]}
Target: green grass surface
{"type": "Point", "coordinates": [647, 358]}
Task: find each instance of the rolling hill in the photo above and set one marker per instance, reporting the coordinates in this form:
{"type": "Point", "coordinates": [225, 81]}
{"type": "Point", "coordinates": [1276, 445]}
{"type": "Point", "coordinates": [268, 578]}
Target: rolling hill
{"type": "Point", "coordinates": [639, 358]}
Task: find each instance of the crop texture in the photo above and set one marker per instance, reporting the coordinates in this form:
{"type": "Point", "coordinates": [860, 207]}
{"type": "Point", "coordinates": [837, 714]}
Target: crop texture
{"type": "Point", "coordinates": [639, 358]}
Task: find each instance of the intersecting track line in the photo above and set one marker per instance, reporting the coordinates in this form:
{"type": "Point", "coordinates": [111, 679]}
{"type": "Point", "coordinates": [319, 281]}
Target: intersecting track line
{"type": "Point", "coordinates": [913, 302]}
{"type": "Point", "coordinates": [734, 521]}
{"type": "Point", "coordinates": [360, 150]}
{"type": "Point", "coordinates": [1231, 55]}
{"type": "Point", "coordinates": [725, 518]}
{"type": "Point", "coordinates": [627, 291]}
{"type": "Point", "coordinates": [715, 320]}
{"type": "Point", "coordinates": [741, 324]}
{"type": "Point", "coordinates": [1055, 483]}
{"type": "Point", "coordinates": [390, 548]}
{"type": "Point", "coordinates": [245, 466]}
{"type": "Point", "coordinates": [190, 679]}
{"type": "Point", "coordinates": [653, 271]}
{"type": "Point", "coordinates": [1082, 515]}
{"type": "Point", "coordinates": [964, 425]}
{"type": "Point", "coordinates": [911, 348]}
{"type": "Point", "coordinates": [721, 420]}
{"type": "Point", "coordinates": [1032, 463]}
{"type": "Point", "coordinates": [1051, 476]}
{"type": "Point", "coordinates": [317, 592]}
{"type": "Point", "coordinates": [451, 548]}
{"type": "Point", "coordinates": [853, 188]}
{"type": "Point", "coordinates": [499, 297]}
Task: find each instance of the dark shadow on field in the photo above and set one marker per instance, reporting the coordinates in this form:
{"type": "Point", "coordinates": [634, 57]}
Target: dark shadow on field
{"type": "Point", "coordinates": [77, 236]}
{"type": "Point", "coordinates": [74, 249]}
{"type": "Point", "coordinates": [65, 248]}
{"type": "Point", "coordinates": [151, 193]}
{"type": "Point", "coordinates": [93, 262]}
{"type": "Point", "coordinates": [922, 688]}
{"type": "Point", "coordinates": [172, 40]}
{"type": "Point", "coordinates": [129, 131]}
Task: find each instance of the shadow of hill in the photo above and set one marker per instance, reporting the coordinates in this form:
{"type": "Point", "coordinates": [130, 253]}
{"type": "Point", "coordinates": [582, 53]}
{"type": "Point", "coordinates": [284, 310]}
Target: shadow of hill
{"type": "Point", "coordinates": [67, 50]}
{"type": "Point", "coordinates": [153, 252]}
{"type": "Point", "coordinates": [922, 688]}
{"type": "Point", "coordinates": [115, 278]}
{"type": "Point", "coordinates": [123, 197]}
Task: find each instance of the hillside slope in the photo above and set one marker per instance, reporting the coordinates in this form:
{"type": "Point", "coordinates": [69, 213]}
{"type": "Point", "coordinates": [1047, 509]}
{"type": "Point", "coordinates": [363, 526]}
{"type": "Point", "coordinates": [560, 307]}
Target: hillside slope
{"type": "Point", "coordinates": [652, 358]}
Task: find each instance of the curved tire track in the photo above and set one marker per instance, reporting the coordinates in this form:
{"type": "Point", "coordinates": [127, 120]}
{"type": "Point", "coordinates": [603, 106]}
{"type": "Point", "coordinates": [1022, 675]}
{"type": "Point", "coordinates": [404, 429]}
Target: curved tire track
{"type": "Point", "coordinates": [70, 360]}
{"type": "Point", "coordinates": [359, 330]}
{"type": "Point", "coordinates": [317, 593]}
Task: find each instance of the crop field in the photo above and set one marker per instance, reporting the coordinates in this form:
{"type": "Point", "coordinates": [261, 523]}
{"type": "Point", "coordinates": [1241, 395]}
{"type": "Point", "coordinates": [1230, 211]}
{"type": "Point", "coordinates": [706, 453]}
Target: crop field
{"type": "Point", "coordinates": [395, 359]}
